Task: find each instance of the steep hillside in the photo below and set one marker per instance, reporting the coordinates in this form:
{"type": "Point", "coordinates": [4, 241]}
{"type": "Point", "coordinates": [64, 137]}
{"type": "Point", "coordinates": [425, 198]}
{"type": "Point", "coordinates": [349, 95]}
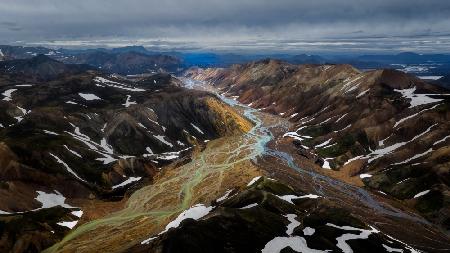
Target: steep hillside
{"type": "Point", "coordinates": [268, 216]}
{"type": "Point", "coordinates": [386, 127]}
{"type": "Point", "coordinates": [87, 138]}
{"type": "Point", "coordinates": [443, 81]}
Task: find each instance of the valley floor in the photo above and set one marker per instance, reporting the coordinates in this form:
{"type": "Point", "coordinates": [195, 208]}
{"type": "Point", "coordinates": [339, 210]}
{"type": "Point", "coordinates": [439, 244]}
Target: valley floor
{"type": "Point", "coordinates": [231, 163]}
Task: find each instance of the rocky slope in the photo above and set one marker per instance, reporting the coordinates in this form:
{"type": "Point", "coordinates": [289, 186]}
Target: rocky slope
{"type": "Point", "coordinates": [86, 136]}
{"type": "Point", "coordinates": [386, 127]}
{"type": "Point", "coordinates": [268, 216]}
{"type": "Point", "coordinates": [444, 81]}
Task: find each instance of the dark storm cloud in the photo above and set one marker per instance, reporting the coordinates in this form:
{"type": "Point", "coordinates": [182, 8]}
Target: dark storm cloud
{"type": "Point", "coordinates": [243, 24]}
{"type": "Point", "coordinates": [11, 26]}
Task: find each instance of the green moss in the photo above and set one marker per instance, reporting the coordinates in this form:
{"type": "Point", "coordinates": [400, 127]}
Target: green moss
{"type": "Point", "coordinates": [318, 130]}
{"type": "Point", "coordinates": [355, 143]}
{"type": "Point", "coordinates": [432, 201]}
{"type": "Point", "coordinates": [343, 145]}
{"type": "Point", "coordinates": [443, 108]}
{"type": "Point", "coordinates": [273, 186]}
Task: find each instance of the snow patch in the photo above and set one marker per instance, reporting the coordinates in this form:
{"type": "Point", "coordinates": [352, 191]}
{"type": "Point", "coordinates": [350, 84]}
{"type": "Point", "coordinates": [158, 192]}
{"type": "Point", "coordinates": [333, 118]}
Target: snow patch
{"type": "Point", "coordinates": [378, 153]}
{"type": "Point", "coordinates": [49, 200]}
{"type": "Point", "coordinates": [297, 243]}
{"type": "Point", "coordinates": [415, 157]}
{"type": "Point", "coordinates": [77, 213]}
{"type": "Point", "coordinates": [326, 164]}
{"type": "Point", "coordinates": [324, 143]}
{"type": "Point", "coordinates": [296, 136]}
{"type": "Point", "coordinates": [420, 194]}
{"type": "Point", "coordinates": [249, 206]}
{"type": "Point", "coordinates": [8, 94]}
{"type": "Point", "coordinates": [72, 151]}
{"type": "Point", "coordinates": [128, 102]}
{"type": "Point", "coordinates": [67, 167]}
{"type": "Point", "coordinates": [389, 249]}
{"type": "Point", "coordinates": [197, 128]}
{"type": "Point", "coordinates": [49, 132]}
{"type": "Point", "coordinates": [343, 128]}
{"type": "Point", "coordinates": [88, 96]}
{"type": "Point", "coordinates": [253, 181]}
{"type": "Point", "coordinates": [225, 196]}
{"type": "Point", "coordinates": [162, 139]}
{"type": "Point", "coordinates": [289, 198]}
{"type": "Point", "coordinates": [417, 99]}
{"type": "Point", "coordinates": [342, 240]}
{"type": "Point", "coordinates": [340, 118]}
{"type": "Point", "coordinates": [413, 115]}
{"type": "Point", "coordinates": [113, 84]}
{"type": "Point", "coordinates": [362, 93]}
{"type": "Point", "coordinates": [196, 212]}
{"type": "Point", "coordinates": [293, 223]}
{"type": "Point", "coordinates": [127, 182]}
{"type": "Point", "coordinates": [308, 231]}
{"type": "Point", "coordinates": [441, 140]}
{"type": "Point", "coordinates": [147, 241]}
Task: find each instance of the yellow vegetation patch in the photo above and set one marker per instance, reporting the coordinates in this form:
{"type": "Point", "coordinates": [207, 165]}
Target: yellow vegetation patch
{"type": "Point", "coordinates": [229, 121]}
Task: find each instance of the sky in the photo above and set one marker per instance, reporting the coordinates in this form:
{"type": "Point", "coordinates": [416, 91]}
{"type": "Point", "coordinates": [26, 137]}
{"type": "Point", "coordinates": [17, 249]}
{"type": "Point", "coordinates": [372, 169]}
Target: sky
{"type": "Point", "coordinates": [231, 25]}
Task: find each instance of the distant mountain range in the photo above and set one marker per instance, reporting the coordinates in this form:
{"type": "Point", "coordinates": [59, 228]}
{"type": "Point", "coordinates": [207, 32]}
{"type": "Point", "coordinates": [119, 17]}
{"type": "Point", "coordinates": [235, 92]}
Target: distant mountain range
{"type": "Point", "coordinates": [40, 67]}
{"type": "Point", "coordinates": [125, 61]}
{"type": "Point", "coordinates": [137, 59]}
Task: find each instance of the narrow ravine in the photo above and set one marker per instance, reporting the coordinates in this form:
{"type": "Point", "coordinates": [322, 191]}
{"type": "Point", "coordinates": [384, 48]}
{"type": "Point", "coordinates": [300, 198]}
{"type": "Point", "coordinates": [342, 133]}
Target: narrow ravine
{"type": "Point", "coordinates": [263, 135]}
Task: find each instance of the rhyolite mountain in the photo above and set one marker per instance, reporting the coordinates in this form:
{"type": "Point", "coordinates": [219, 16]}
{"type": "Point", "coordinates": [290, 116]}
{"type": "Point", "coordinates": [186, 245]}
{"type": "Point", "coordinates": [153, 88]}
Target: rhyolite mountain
{"type": "Point", "coordinates": [86, 135]}
{"type": "Point", "coordinates": [389, 128]}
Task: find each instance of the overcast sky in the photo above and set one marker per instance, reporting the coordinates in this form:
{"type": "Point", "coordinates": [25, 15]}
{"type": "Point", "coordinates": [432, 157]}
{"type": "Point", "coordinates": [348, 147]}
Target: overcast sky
{"type": "Point", "coordinates": [231, 25]}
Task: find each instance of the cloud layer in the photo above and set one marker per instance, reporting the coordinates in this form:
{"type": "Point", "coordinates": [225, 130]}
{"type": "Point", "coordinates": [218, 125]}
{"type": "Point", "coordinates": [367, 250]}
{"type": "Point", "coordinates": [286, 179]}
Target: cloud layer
{"type": "Point", "coordinates": [283, 25]}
